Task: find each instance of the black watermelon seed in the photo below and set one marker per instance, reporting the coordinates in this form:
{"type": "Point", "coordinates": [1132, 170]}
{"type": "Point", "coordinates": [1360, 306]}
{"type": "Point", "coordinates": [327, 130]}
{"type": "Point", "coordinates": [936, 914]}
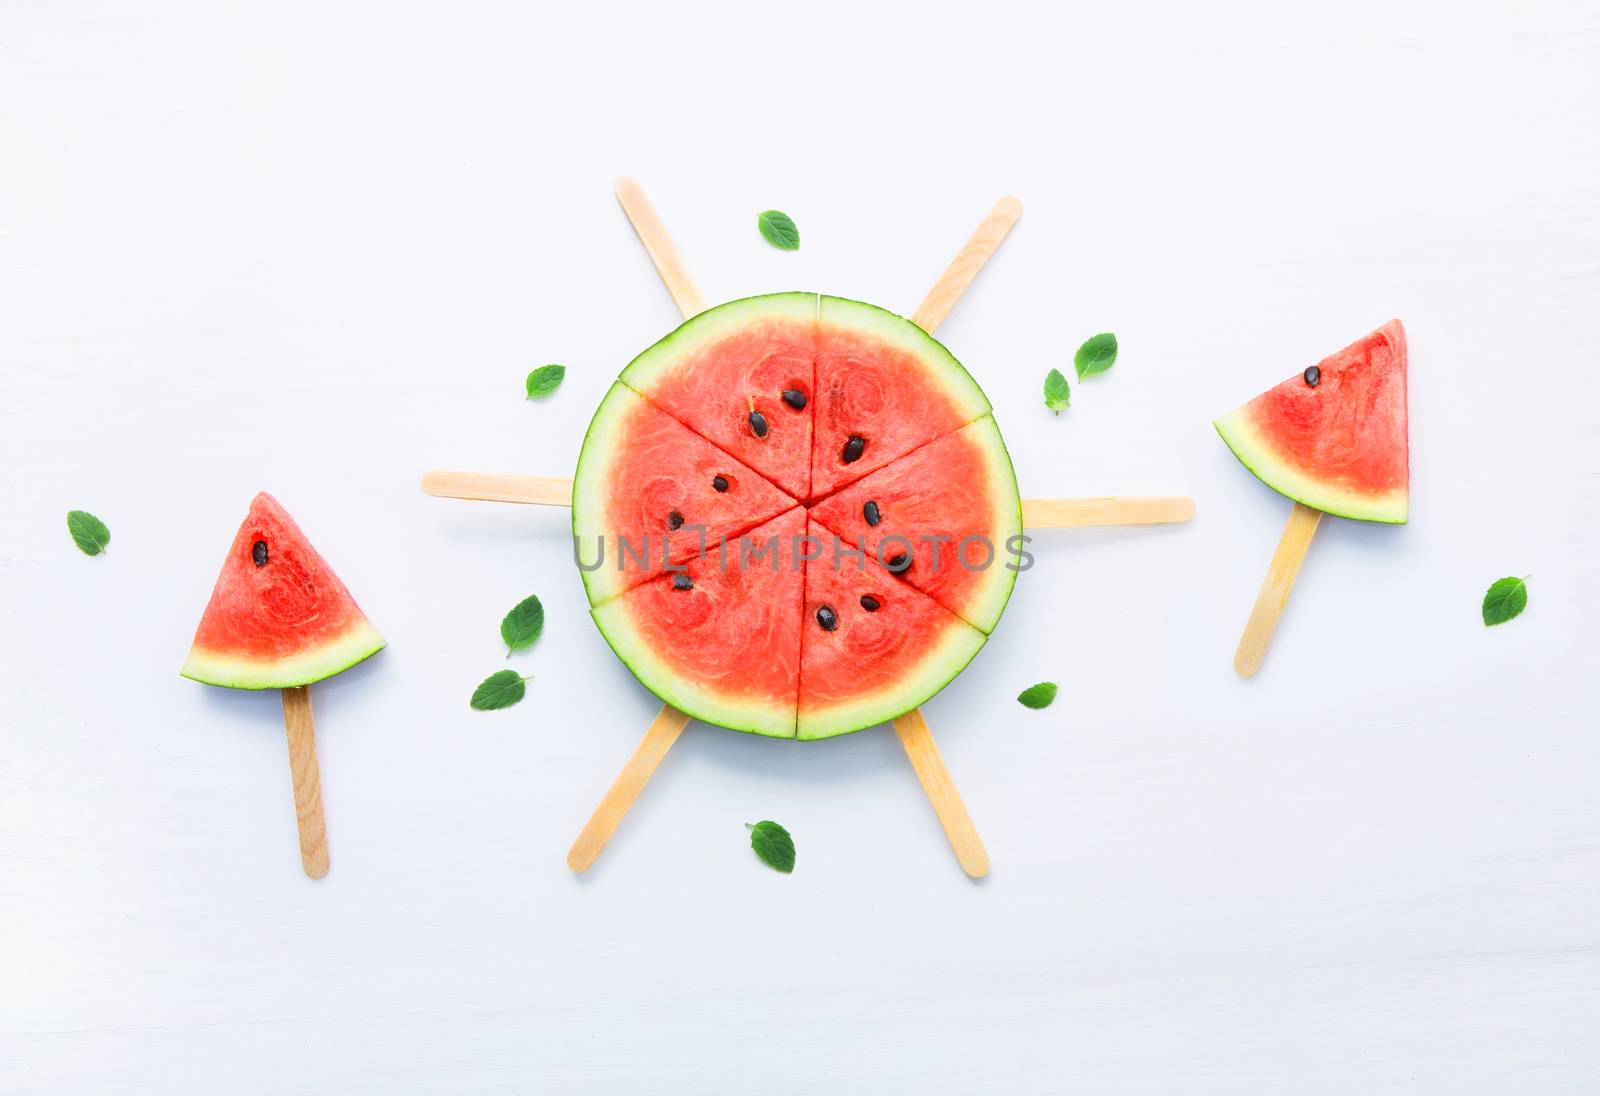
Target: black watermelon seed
{"type": "Point", "coordinates": [758, 424]}
{"type": "Point", "coordinates": [899, 564]}
{"type": "Point", "coordinates": [680, 581]}
{"type": "Point", "coordinates": [827, 618]}
{"type": "Point", "coordinates": [870, 603]}
{"type": "Point", "coordinates": [258, 552]}
{"type": "Point", "coordinates": [1313, 376]}
{"type": "Point", "coordinates": [853, 449]}
{"type": "Point", "coordinates": [719, 483]}
{"type": "Point", "coordinates": [674, 520]}
{"type": "Point", "coordinates": [795, 398]}
{"type": "Point", "coordinates": [870, 512]}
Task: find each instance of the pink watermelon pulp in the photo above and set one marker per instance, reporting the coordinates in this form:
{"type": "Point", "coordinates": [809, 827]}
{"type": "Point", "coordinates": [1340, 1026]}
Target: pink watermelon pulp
{"type": "Point", "coordinates": [742, 421]}
{"type": "Point", "coordinates": [279, 617]}
{"type": "Point", "coordinates": [1334, 437]}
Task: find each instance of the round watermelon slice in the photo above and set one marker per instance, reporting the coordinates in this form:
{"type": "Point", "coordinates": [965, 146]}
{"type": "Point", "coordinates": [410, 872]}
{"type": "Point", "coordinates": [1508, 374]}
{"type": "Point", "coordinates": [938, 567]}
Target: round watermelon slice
{"type": "Point", "coordinates": [279, 617]}
{"type": "Point", "coordinates": [1334, 437]}
{"type": "Point", "coordinates": [746, 446]}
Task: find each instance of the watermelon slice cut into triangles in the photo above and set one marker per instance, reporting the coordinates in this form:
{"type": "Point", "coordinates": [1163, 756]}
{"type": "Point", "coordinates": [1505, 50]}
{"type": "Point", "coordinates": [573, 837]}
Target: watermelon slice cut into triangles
{"type": "Point", "coordinates": [279, 617]}
{"type": "Point", "coordinates": [959, 536]}
{"type": "Point", "coordinates": [871, 647]}
{"type": "Point", "coordinates": [1335, 436]}
{"type": "Point", "coordinates": [741, 376]}
{"type": "Point", "coordinates": [891, 418]}
{"type": "Point", "coordinates": [720, 640]}
{"type": "Point", "coordinates": [884, 387]}
{"type": "Point", "coordinates": [644, 484]}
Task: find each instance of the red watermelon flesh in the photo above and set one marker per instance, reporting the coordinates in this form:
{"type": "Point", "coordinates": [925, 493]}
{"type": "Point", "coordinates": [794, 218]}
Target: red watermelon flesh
{"type": "Point", "coordinates": [1339, 445]}
{"type": "Point", "coordinates": [721, 640]}
{"type": "Point", "coordinates": [959, 535]}
{"type": "Point", "coordinates": [738, 360]}
{"type": "Point", "coordinates": [279, 617]}
{"type": "Point", "coordinates": [889, 648]}
{"type": "Point", "coordinates": [646, 479]}
{"type": "Point", "coordinates": [884, 387]}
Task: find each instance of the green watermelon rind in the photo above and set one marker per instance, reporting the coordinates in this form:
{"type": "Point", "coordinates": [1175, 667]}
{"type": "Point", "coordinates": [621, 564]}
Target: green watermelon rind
{"type": "Point", "coordinates": [706, 705]}
{"type": "Point", "coordinates": [1238, 430]}
{"type": "Point", "coordinates": [356, 644]}
{"type": "Point", "coordinates": [958, 384]}
{"type": "Point", "coordinates": [588, 483]}
{"type": "Point", "coordinates": [703, 328]}
{"type": "Point", "coordinates": [920, 684]}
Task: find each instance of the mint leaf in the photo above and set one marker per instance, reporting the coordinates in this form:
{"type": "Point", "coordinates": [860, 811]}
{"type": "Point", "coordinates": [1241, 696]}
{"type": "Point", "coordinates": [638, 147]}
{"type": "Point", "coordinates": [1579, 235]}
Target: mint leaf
{"type": "Point", "coordinates": [1057, 396]}
{"type": "Point", "coordinates": [1505, 601]}
{"type": "Point", "coordinates": [545, 380]}
{"type": "Point", "coordinates": [778, 229]}
{"type": "Point", "coordinates": [1038, 696]}
{"type": "Point", "coordinates": [1097, 354]}
{"type": "Point", "coordinates": [522, 624]}
{"type": "Point", "coordinates": [773, 844]}
{"type": "Point", "coordinates": [89, 533]}
{"type": "Point", "coordinates": [499, 690]}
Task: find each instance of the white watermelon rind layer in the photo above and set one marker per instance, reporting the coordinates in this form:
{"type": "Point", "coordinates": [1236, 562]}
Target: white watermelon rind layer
{"type": "Point", "coordinates": [705, 704]}
{"type": "Point", "coordinates": [1256, 452]}
{"type": "Point", "coordinates": [357, 643]}
{"type": "Point", "coordinates": [845, 314]}
{"type": "Point", "coordinates": [665, 354]}
{"type": "Point", "coordinates": [936, 669]}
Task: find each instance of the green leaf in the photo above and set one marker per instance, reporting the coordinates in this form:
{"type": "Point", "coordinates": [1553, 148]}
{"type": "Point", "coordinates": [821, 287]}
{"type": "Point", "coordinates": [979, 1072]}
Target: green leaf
{"type": "Point", "coordinates": [545, 380]}
{"type": "Point", "coordinates": [1057, 396]}
{"type": "Point", "coordinates": [773, 844]}
{"type": "Point", "coordinates": [778, 229]}
{"type": "Point", "coordinates": [1097, 354]}
{"type": "Point", "coordinates": [1038, 696]}
{"type": "Point", "coordinates": [500, 689]}
{"type": "Point", "coordinates": [1505, 601]}
{"type": "Point", "coordinates": [89, 533]}
{"type": "Point", "coordinates": [522, 624]}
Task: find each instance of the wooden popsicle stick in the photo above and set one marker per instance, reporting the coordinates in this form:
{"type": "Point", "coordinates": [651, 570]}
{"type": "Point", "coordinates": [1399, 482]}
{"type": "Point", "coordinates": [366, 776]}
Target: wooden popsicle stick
{"type": "Point", "coordinates": [929, 765]}
{"type": "Point", "coordinates": [537, 490]}
{"type": "Point", "coordinates": [619, 798]}
{"type": "Point", "coordinates": [663, 252]}
{"type": "Point", "coordinates": [1036, 513]}
{"type": "Point", "coordinates": [307, 781]}
{"type": "Point", "coordinates": [968, 261]}
{"type": "Point", "coordinates": [1281, 572]}
{"type": "Point", "coordinates": [1111, 510]}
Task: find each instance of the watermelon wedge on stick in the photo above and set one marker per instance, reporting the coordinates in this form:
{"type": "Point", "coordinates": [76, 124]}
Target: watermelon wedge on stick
{"type": "Point", "coordinates": [279, 618]}
{"type": "Point", "coordinates": [1335, 440]}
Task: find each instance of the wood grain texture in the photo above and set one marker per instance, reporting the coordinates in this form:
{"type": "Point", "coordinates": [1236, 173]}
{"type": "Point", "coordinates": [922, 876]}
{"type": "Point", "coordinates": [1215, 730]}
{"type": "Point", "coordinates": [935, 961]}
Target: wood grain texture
{"type": "Point", "coordinates": [1109, 510]}
{"type": "Point", "coordinates": [619, 798]}
{"type": "Point", "coordinates": [663, 252]}
{"type": "Point", "coordinates": [966, 265]}
{"type": "Point", "coordinates": [307, 781]}
{"type": "Point", "coordinates": [490, 487]}
{"type": "Point", "coordinates": [925, 758]}
{"type": "Point", "coordinates": [1281, 572]}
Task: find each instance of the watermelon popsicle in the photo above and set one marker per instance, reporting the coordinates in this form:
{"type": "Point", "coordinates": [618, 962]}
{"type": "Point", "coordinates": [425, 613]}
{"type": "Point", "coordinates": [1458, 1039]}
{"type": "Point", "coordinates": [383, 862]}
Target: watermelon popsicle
{"type": "Point", "coordinates": [279, 618]}
{"type": "Point", "coordinates": [1335, 440]}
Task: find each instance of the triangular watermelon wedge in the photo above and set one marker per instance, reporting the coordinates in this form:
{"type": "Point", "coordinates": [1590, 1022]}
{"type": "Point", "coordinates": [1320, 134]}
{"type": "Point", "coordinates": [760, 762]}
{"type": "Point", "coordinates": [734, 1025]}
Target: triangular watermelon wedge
{"type": "Point", "coordinates": [1334, 437]}
{"type": "Point", "coordinates": [953, 506]}
{"type": "Point", "coordinates": [279, 617]}
{"type": "Point", "coordinates": [720, 639]}
{"type": "Point", "coordinates": [741, 375]}
{"type": "Point", "coordinates": [871, 647]}
{"type": "Point", "coordinates": [647, 486]}
{"type": "Point", "coordinates": [884, 387]}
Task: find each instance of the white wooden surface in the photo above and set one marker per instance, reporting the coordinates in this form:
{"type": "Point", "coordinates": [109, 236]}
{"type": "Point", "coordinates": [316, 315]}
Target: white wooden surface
{"type": "Point", "coordinates": [313, 248]}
